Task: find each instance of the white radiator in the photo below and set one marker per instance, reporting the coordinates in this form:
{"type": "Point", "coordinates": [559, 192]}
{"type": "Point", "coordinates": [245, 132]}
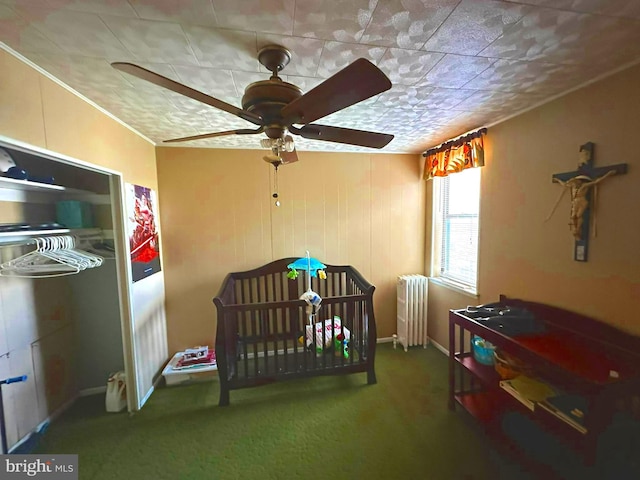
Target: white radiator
{"type": "Point", "coordinates": [412, 311]}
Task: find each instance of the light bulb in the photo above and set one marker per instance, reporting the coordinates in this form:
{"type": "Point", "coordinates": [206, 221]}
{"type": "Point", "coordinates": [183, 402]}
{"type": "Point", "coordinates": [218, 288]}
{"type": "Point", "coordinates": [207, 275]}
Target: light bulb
{"type": "Point", "coordinates": [287, 144]}
{"type": "Point", "coordinates": [266, 142]}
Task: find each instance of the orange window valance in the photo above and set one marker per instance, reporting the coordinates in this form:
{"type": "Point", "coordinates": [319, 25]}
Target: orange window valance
{"type": "Point", "coordinates": [455, 156]}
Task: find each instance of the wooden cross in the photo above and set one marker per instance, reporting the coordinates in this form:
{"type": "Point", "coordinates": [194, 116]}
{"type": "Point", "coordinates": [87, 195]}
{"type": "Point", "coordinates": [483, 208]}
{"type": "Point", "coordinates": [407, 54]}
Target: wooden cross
{"type": "Point", "coordinates": [580, 183]}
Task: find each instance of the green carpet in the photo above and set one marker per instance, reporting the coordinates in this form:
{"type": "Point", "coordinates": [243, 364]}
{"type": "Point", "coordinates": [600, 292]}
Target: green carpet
{"type": "Point", "coordinates": [319, 428]}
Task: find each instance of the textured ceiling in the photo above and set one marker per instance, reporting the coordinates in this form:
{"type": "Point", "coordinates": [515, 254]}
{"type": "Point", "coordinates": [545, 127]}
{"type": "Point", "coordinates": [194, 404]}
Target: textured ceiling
{"type": "Point", "coordinates": [454, 65]}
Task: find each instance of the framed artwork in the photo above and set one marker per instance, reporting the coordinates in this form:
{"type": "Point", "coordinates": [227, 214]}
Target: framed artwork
{"type": "Point", "coordinates": [142, 229]}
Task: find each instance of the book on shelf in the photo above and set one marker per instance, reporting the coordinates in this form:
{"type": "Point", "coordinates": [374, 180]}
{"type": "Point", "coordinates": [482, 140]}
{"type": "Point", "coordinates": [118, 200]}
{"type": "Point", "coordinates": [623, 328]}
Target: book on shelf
{"type": "Point", "coordinates": [569, 408]}
{"type": "Point", "coordinates": [527, 390]}
{"type": "Point", "coordinates": [505, 385]}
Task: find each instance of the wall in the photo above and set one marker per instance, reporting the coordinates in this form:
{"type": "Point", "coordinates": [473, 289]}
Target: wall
{"type": "Point", "coordinates": [521, 255]}
{"type": "Point", "coordinates": [366, 210]}
{"type": "Point", "coordinates": [37, 111]}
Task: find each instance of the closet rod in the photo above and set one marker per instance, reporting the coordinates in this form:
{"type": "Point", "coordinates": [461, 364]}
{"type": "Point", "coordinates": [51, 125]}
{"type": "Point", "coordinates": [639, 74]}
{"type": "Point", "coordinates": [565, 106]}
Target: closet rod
{"type": "Point", "coordinates": [13, 239]}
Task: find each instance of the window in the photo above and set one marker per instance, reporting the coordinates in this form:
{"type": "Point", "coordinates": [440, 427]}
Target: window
{"type": "Point", "coordinates": [455, 229]}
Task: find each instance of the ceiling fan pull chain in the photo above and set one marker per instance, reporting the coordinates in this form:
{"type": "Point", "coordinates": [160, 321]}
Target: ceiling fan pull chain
{"type": "Point", "coordinates": [275, 184]}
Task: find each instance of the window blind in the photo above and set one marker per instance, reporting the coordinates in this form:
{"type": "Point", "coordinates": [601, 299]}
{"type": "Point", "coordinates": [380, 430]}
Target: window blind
{"type": "Point", "coordinates": [460, 201]}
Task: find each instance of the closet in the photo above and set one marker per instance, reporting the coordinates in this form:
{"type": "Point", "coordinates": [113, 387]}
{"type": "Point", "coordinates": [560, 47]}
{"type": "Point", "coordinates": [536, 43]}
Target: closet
{"type": "Point", "coordinates": [66, 333]}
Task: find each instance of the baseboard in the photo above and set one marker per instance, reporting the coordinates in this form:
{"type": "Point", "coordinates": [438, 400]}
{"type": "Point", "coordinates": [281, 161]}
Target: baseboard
{"type": "Point", "coordinates": [146, 397]}
{"type": "Point", "coordinates": [438, 346]}
{"type": "Point", "coordinates": [42, 425]}
{"type": "Point", "coordinates": [93, 391]}
{"type": "Point", "coordinates": [385, 340]}
{"type": "Point", "coordinates": [430, 340]}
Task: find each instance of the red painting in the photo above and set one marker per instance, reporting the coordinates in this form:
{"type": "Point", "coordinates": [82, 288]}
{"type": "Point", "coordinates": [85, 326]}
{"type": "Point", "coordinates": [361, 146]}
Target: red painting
{"type": "Point", "coordinates": [143, 231]}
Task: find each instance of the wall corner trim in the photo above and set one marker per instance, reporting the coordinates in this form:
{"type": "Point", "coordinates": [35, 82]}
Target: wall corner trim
{"type": "Point", "coordinates": [46, 74]}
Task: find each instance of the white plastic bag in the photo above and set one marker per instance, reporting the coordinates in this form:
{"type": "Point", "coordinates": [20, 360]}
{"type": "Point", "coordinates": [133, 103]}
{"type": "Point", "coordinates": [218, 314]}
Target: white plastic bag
{"type": "Point", "coordinates": [116, 398]}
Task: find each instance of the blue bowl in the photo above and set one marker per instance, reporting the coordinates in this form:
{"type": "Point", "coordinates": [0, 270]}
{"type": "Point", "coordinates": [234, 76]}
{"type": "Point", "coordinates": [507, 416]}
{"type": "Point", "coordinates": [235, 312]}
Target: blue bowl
{"type": "Point", "coordinates": [483, 351]}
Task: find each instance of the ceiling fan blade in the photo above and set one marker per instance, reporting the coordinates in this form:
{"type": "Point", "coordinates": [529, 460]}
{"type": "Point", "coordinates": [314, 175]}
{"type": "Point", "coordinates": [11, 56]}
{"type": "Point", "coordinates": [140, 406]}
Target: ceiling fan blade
{"type": "Point", "coordinates": [169, 84]}
{"type": "Point", "coordinates": [355, 83]}
{"type": "Point", "coordinates": [327, 133]}
{"type": "Point", "coordinates": [216, 134]}
{"type": "Point", "coordinates": [289, 157]}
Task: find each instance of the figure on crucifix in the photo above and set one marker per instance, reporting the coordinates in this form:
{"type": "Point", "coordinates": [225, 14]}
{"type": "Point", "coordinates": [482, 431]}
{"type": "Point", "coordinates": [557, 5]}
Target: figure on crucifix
{"type": "Point", "coordinates": [579, 187]}
{"type": "Point", "coordinates": [582, 185]}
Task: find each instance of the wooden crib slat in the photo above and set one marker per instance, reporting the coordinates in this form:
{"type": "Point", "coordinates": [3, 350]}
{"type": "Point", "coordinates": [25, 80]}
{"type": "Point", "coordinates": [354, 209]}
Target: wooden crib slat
{"type": "Point", "coordinates": [296, 347]}
{"type": "Point", "coordinates": [254, 328]}
{"type": "Point", "coordinates": [358, 328]}
{"type": "Point", "coordinates": [264, 325]}
{"type": "Point", "coordinates": [283, 323]}
{"type": "Point", "coordinates": [274, 333]}
{"type": "Point", "coordinates": [313, 345]}
{"type": "Point", "coordinates": [350, 314]}
{"type": "Point", "coordinates": [242, 333]}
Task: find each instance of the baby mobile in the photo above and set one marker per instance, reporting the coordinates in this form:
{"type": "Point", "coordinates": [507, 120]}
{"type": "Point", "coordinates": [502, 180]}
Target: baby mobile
{"type": "Point", "coordinates": [335, 335]}
{"type": "Point", "coordinates": [314, 269]}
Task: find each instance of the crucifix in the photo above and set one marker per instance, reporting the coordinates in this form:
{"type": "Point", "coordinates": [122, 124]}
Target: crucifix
{"type": "Point", "coordinates": [580, 184]}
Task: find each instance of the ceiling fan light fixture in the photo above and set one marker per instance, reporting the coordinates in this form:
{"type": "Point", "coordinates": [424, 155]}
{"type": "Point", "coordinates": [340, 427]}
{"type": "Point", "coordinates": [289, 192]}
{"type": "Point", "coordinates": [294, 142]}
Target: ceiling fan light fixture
{"type": "Point", "coordinates": [284, 144]}
{"type": "Point", "coordinates": [266, 142]}
{"type": "Point", "coordinates": [273, 159]}
{"type": "Point", "coordinates": [287, 143]}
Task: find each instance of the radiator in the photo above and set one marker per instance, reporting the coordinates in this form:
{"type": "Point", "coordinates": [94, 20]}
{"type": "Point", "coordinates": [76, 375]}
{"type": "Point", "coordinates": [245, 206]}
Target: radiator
{"type": "Point", "coordinates": [412, 311]}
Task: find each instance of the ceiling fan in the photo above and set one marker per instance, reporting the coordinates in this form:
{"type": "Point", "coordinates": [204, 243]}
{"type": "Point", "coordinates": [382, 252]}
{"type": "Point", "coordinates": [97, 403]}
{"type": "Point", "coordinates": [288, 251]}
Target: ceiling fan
{"type": "Point", "coordinates": [277, 107]}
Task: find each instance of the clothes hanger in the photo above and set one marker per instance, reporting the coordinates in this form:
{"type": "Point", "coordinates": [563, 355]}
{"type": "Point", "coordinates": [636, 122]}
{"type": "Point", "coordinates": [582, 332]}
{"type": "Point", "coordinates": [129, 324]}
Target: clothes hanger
{"type": "Point", "coordinates": [104, 250]}
{"type": "Point", "coordinates": [63, 248]}
{"type": "Point", "coordinates": [94, 259]}
{"type": "Point", "coordinates": [54, 248]}
{"type": "Point", "coordinates": [39, 263]}
{"type": "Point", "coordinates": [59, 248]}
{"type": "Point", "coordinates": [54, 256]}
{"type": "Point", "coordinates": [51, 248]}
{"type": "Point", "coordinates": [96, 246]}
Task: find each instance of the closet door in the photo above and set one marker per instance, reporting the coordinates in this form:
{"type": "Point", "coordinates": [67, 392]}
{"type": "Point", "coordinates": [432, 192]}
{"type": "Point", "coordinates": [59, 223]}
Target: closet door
{"type": "Point", "coordinates": [142, 310]}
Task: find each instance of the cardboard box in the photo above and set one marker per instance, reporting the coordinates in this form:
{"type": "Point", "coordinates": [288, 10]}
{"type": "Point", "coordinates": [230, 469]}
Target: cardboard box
{"type": "Point", "coordinates": [173, 376]}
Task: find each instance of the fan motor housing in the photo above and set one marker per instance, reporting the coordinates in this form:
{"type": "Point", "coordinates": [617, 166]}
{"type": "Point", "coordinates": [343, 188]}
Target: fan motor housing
{"type": "Point", "coordinates": [267, 98]}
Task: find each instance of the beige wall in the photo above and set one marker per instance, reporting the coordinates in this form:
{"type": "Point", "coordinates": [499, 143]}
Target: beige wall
{"type": "Point", "coordinates": [218, 216]}
{"type": "Point", "coordinates": [520, 254]}
{"type": "Point", "coordinates": [38, 111]}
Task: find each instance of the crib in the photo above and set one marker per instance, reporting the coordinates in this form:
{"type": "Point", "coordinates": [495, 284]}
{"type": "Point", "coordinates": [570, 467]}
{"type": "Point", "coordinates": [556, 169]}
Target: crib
{"type": "Point", "coordinates": [265, 333]}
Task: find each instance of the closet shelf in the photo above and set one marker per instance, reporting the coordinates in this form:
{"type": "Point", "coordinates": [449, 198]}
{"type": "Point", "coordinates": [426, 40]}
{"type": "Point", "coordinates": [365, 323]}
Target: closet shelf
{"type": "Point", "coordinates": [26, 185]}
{"type": "Point", "coordinates": [24, 191]}
{"type": "Point", "coordinates": [26, 235]}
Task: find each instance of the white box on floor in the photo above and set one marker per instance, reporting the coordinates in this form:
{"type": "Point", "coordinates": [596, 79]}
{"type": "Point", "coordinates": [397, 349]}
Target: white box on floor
{"type": "Point", "coordinates": [173, 376]}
